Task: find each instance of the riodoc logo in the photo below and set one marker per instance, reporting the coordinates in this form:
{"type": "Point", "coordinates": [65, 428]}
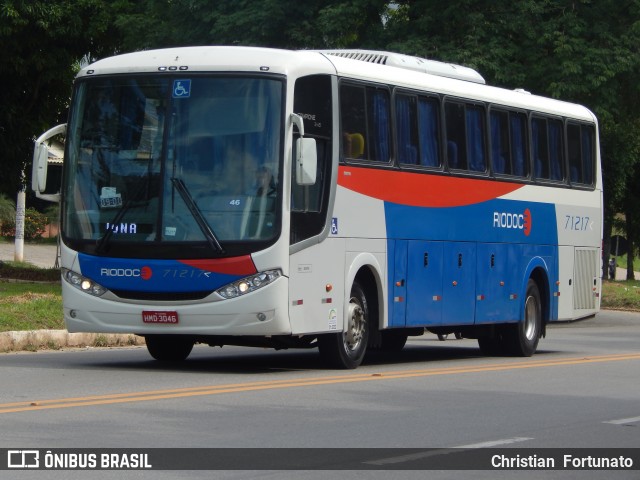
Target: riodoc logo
{"type": "Point", "coordinates": [516, 221]}
{"type": "Point", "coordinates": [145, 272]}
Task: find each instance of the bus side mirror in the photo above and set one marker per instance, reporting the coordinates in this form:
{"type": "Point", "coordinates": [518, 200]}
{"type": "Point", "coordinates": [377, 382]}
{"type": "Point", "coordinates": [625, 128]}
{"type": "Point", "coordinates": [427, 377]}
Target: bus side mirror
{"type": "Point", "coordinates": [41, 158]}
{"type": "Point", "coordinates": [306, 154]}
{"type": "Point", "coordinates": [306, 161]}
{"type": "Point", "coordinates": [40, 164]}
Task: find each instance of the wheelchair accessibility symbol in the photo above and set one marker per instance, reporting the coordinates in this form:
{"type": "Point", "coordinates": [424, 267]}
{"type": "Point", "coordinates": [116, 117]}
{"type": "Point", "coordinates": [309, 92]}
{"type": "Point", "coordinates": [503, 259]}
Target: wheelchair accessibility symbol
{"type": "Point", "coordinates": [334, 226]}
{"type": "Point", "coordinates": [181, 88]}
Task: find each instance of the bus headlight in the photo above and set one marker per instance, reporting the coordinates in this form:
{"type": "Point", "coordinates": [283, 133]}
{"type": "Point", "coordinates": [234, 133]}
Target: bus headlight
{"type": "Point", "coordinates": [249, 284]}
{"type": "Point", "coordinates": [83, 283]}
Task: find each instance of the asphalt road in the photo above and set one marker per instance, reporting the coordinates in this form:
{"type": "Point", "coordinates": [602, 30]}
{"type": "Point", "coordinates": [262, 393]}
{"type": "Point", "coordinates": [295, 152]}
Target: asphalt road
{"type": "Point", "coordinates": [581, 390]}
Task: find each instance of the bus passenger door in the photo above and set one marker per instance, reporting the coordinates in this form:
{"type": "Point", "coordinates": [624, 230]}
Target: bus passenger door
{"type": "Point", "coordinates": [459, 283]}
{"type": "Point", "coordinates": [424, 284]}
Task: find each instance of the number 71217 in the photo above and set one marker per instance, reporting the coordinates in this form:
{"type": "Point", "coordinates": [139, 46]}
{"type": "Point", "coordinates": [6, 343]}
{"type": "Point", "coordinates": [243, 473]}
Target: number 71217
{"type": "Point", "coordinates": [576, 223]}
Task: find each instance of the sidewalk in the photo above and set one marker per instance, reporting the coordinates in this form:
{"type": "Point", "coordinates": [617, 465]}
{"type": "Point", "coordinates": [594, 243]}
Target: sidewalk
{"type": "Point", "coordinates": [40, 255]}
{"type": "Point", "coordinates": [621, 274]}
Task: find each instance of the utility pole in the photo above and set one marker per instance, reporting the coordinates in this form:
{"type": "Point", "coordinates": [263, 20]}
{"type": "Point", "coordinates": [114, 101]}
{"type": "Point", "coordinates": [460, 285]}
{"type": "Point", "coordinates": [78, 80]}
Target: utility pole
{"type": "Point", "coordinates": [20, 214]}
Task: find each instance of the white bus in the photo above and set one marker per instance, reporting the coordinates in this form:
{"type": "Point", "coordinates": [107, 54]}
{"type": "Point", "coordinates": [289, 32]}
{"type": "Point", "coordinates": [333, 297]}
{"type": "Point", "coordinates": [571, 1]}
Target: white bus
{"type": "Point", "coordinates": [338, 199]}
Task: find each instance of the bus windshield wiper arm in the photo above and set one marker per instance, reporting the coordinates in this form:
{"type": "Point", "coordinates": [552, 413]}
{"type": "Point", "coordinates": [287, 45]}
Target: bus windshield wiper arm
{"type": "Point", "coordinates": [179, 185]}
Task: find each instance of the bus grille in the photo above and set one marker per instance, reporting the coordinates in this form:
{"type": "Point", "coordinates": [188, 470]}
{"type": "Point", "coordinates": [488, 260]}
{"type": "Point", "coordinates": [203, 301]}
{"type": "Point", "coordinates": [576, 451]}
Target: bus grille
{"type": "Point", "coordinates": [586, 266]}
{"type": "Point", "coordinates": [161, 296]}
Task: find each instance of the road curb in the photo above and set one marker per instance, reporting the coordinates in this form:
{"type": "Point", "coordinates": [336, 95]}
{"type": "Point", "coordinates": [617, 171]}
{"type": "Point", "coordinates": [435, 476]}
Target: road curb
{"type": "Point", "coordinates": [55, 339]}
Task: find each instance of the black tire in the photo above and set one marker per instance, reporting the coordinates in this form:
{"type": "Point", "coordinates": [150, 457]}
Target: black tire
{"type": "Point", "coordinates": [392, 340]}
{"type": "Point", "coordinates": [492, 346]}
{"type": "Point", "coordinates": [443, 336]}
{"type": "Point", "coordinates": [346, 349]}
{"type": "Point", "coordinates": [169, 348]}
{"type": "Point", "coordinates": [523, 337]}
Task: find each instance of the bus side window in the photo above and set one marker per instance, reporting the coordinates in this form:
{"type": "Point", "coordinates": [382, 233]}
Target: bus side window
{"type": "Point", "coordinates": [518, 135]}
{"type": "Point", "coordinates": [309, 203]}
{"type": "Point", "coordinates": [429, 131]}
{"type": "Point", "coordinates": [540, 148]}
{"type": "Point", "coordinates": [456, 139]}
{"type": "Point", "coordinates": [418, 128]}
{"type": "Point", "coordinates": [475, 138]}
{"type": "Point", "coordinates": [379, 124]}
{"type": "Point", "coordinates": [580, 148]}
{"type": "Point", "coordinates": [508, 143]}
{"type": "Point", "coordinates": [465, 124]}
{"type": "Point", "coordinates": [587, 136]}
{"type": "Point", "coordinates": [556, 149]}
{"type": "Point", "coordinates": [406, 120]}
{"type": "Point", "coordinates": [354, 123]}
{"type": "Point", "coordinates": [365, 115]}
{"type": "Point", "coordinates": [573, 146]}
{"type": "Point", "coordinates": [500, 156]}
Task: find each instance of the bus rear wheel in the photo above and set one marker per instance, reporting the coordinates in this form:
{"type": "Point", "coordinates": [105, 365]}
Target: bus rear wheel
{"type": "Point", "coordinates": [169, 348]}
{"type": "Point", "coordinates": [494, 345]}
{"type": "Point", "coordinates": [519, 339]}
{"type": "Point", "coordinates": [525, 335]}
{"type": "Point", "coordinates": [346, 349]}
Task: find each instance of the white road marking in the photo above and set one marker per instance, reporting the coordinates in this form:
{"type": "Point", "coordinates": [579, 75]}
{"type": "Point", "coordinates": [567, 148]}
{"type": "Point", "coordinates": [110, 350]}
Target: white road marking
{"type": "Point", "coordinates": [622, 421]}
{"type": "Point", "coordinates": [444, 451]}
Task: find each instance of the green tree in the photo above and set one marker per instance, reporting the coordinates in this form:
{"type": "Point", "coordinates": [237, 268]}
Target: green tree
{"type": "Point", "coordinates": [267, 23]}
{"type": "Point", "coordinates": [42, 43]}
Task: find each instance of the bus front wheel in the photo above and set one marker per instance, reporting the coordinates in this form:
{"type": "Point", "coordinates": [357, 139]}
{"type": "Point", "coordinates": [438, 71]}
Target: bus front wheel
{"type": "Point", "coordinates": [168, 348]}
{"type": "Point", "coordinates": [346, 349]}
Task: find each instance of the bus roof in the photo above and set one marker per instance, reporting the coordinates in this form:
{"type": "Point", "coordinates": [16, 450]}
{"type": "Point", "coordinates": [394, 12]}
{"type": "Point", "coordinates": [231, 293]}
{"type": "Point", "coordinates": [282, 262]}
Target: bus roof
{"type": "Point", "coordinates": [378, 67]}
{"type": "Point", "coordinates": [434, 82]}
{"type": "Point", "coordinates": [211, 58]}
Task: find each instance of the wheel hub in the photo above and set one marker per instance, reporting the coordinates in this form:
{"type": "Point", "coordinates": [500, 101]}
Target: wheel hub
{"type": "Point", "coordinates": [355, 327]}
{"type": "Point", "coordinates": [530, 317]}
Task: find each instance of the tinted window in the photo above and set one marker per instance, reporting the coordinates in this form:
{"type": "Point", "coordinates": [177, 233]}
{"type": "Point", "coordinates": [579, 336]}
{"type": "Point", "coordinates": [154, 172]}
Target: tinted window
{"type": "Point", "coordinates": [418, 131]}
{"type": "Point", "coordinates": [365, 123]}
{"type": "Point", "coordinates": [465, 136]}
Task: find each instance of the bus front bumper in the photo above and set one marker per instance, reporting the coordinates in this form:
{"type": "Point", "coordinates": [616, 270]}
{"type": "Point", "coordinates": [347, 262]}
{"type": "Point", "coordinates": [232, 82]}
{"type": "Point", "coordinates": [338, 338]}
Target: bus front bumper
{"type": "Point", "coordinates": [260, 313]}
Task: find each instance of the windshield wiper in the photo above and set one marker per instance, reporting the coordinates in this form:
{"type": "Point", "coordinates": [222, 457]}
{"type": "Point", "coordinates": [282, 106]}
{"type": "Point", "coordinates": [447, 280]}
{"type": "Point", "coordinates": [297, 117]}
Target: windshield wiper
{"type": "Point", "coordinates": [179, 185]}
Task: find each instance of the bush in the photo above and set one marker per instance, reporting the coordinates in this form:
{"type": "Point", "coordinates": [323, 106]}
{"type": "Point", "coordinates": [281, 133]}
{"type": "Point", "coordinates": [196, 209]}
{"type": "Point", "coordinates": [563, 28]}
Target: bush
{"type": "Point", "coordinates": [7, 209]}
{"type": "Point", "coordinates": [35, 223]}
{"type": "Point", "coordinates": [12, 270]}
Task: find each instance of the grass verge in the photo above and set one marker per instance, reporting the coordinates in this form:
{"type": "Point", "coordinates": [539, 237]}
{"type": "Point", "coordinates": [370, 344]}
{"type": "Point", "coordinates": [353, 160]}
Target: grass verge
{"type": "Point", "coordinates": [30, 306]}
{"type": "Point", "coordinates": [621, 295]}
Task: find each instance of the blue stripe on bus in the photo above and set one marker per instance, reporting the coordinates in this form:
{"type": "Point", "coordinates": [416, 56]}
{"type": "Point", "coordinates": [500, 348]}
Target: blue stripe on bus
{"type": "Point", "coordinates": [474, 267]}
{"type": "Point", "coordinates": [151, 275]}
{"type": "Point", "coordinates": [492, 221]}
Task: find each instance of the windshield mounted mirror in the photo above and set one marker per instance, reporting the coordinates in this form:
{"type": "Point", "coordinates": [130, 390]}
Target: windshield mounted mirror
{"type": "Point", "coordinates": [41, 162]}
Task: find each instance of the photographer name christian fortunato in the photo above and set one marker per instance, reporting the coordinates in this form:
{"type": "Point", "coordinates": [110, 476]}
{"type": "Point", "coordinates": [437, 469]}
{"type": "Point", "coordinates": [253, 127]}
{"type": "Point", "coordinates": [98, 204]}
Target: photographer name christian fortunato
{"type": "Point", "coordinates": [569, 462]}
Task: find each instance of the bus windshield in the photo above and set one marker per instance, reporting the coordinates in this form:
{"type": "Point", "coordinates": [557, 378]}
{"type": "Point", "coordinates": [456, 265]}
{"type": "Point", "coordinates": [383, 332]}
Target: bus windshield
{"type": "Point", "coordinates": [173, 160]}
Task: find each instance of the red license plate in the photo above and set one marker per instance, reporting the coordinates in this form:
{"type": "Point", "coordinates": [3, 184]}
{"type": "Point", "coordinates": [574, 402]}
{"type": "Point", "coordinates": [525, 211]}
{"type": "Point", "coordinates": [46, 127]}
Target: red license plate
{"type": "Point", "coordinates": [159, 317]}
